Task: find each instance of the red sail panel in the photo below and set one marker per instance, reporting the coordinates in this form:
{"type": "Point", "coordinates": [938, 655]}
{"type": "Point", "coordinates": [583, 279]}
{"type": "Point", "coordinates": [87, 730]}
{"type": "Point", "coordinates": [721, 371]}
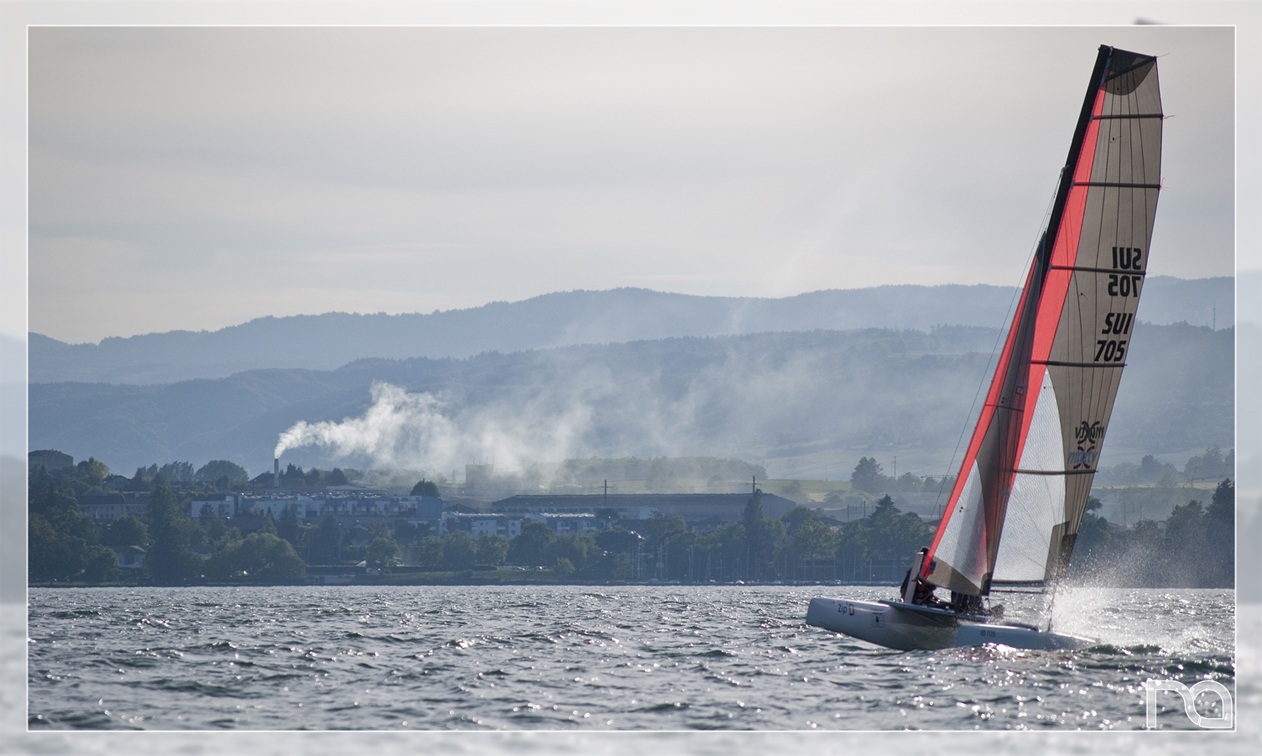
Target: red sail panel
{"type": "Point", "coordinates": [1064, 255]}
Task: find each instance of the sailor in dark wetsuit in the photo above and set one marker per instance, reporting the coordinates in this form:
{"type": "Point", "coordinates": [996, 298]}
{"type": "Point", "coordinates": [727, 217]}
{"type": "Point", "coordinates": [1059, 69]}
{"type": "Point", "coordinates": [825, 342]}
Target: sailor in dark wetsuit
{"type": "Point", "coordinates": [967, 603]}
{"type": "Point", "coordinates": [924, 590]}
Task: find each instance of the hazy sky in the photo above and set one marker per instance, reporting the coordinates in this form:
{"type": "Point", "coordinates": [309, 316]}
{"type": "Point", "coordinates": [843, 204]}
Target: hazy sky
{"type": "Point", "coordinates": [190, 177]}
{"type": "Point", "coordinates": [199, 177]}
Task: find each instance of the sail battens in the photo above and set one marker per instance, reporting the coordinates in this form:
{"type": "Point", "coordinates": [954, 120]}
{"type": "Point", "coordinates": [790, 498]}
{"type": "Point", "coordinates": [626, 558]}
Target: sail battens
{"type": "Point", "coordinates": [1055, 472]}
{"type": "Point", "coordinates": [1128, 116]}
{"type": "Point", "coordinates": [1117, 184]}
{"type": "Point", "coordinates": [1110, 271]}
{"type": "Point", "coordinates": [1058, 363]}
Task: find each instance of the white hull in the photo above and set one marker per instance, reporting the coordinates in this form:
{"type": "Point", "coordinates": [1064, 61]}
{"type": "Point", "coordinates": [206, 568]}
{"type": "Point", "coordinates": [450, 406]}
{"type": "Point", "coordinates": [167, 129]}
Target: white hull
{"type": "Point", "coordinates": [907, 628]}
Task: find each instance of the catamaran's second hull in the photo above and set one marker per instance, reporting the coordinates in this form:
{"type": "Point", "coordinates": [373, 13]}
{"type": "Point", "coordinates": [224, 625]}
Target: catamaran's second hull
{"type": "Point", "coordinates": [907, 629]}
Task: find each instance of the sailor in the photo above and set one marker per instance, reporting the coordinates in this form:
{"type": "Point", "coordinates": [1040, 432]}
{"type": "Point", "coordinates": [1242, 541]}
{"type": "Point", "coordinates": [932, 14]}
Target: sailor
{"type": "Point", "coordinates": [923, 592]}
{"type": "Point", "coordinates": [966, 603]}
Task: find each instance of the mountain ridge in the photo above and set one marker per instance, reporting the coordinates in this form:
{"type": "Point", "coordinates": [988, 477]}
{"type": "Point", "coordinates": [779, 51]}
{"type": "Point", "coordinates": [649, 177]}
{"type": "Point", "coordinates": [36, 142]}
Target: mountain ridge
{"type": "Point", "coordinates": [329, 340]}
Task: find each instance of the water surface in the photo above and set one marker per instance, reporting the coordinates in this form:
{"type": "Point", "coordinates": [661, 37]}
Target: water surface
{"type": "Point", "coordinates": [568, 658]}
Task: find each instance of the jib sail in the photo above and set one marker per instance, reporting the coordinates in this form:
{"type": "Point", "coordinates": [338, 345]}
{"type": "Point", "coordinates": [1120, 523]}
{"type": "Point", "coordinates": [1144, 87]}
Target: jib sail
{"type": "Point", "coordinates": [1018, 500]}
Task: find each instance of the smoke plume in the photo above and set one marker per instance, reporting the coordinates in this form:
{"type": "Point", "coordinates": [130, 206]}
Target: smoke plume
{"type": "Point", "coordinates": [421, 431]}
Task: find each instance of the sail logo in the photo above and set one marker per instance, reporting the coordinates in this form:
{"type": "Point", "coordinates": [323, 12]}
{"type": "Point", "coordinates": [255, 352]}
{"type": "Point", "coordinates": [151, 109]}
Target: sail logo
{"type": "Point", "coordinates": [1224, 722]}
{"type": "Point", "coordinates": [1089, 432]}
{"type": "Point", "coordinates": [1083, 458]}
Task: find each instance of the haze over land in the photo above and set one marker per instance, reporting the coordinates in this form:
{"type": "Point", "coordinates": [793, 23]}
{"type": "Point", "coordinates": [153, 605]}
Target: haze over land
{"type": "Point", "coordinates": [799, 401]}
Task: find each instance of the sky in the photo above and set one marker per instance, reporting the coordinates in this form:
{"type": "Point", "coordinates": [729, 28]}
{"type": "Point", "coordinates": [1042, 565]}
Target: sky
{"type": "Point", "coordinates": [196, 178]}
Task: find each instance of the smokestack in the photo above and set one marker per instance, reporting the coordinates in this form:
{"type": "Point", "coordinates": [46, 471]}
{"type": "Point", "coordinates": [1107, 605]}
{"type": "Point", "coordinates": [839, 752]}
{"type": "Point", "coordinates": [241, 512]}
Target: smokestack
{"type": "Point", "coordinates": [276, 473]}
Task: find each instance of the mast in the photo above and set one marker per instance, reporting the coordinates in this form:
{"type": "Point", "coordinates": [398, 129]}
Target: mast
{"type": "Point", "coordinates": [1030, 462]}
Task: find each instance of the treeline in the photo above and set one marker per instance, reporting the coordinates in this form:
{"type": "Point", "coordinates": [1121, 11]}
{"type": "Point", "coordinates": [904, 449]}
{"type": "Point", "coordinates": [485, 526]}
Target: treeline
{"type": "Point", "coordinates": [869, 476]}
{"type": "Point", "coordinates": [1195, 547]}
{"type": "Point", "coordinates": [1209, 466]}
{"type": "Point", "coordinates": [801, 545]}
{"type": "Point", "coordinates": [66, 546]}
{"type": "Point", "coordinates": [92, 476]}
{"type": "Point", "coordinates": [178, 549]}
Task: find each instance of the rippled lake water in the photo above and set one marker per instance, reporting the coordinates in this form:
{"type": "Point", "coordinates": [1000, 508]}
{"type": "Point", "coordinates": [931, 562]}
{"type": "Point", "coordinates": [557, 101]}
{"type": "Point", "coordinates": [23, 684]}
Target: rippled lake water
{"type": "Point", "coordinates": [580, 658]}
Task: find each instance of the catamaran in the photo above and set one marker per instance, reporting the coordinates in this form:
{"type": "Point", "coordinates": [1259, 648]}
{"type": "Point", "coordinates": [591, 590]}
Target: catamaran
{"type": "Point", "coordinates": [1017, 502]}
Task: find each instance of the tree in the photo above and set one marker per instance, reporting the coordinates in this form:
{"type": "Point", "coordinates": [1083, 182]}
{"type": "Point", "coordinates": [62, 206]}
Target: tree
{"type": "Point", "coordinates": [293, 476]}
{"type": "Point", "coordinates": [178, 472]}
{"type": "Point", "coordinates": [867, 476]}
{"type": "Point", "coordinates": [407, 534]}
{"type": "Point", "coordinates": [731, 550]}
{"type": "Point", "coordinates": [170, 559]}
{"type": "Point", "coordinates": [337, 478]}
{"type": "Point", "coordinates": [139, 482]}
{"type": "Point", "coordinates": [1220, 527]}
{"type": "Point", "coordinates": [100, 565]}
{"type": "Point", "coordinates": [1150, 470]}
{"type": "Point", "coordinates": [809, 538]}
{"type": "Point", "coordinates": [530, 547]}
{"type": "Point", "coordinates": [909, 482]}
{"type": "Point", "coordinates": [1095, 542]}
{"type": "Point", "coordinates": [578, 549]}
{"type": "Point", "coordinates": [92, 473]}
{"type": "Point", "coordinates": [1209, 465]}
{"type": "Point", "coordinates": [893, 535]}
{"type": "Point", "coordinates": [219, 468]}
{"type": "Point", "coordinates": [326, 547]}
{"type": "Point", "coordinates": [492, 549]}
{"type": "Point", "coordinates": [425, 488]}
{"type": "Point", "coordinates": [757, 545]}
{"type": "Point", "coordinates": [262, 558]}
{"type": "Point", "coordinates": [618, 540]}
{"type": "Point", "coordinates": [1186, 546]}
{"type": "Point", "coordinates": [383, 553]}
{"type": "Point", "coordinates": [50, 555]}
{"type": "Point", "coordinates": [287, 526]}
{"type": "Point", "coordinates": [563, 567]}
{"type": "Point", "coordinates": [459, 551]}
{"type": "Point", "coordinates": [128, 530]}
{"type": "Point", "coordinates": [429, 552]}
{"type": "Point", "coordinates": [59, 535]}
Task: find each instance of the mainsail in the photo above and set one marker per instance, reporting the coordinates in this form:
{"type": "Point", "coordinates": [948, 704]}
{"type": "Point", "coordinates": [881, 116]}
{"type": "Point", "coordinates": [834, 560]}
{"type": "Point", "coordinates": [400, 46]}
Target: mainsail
{"type": "Point", "coordinates": [1018, 500]}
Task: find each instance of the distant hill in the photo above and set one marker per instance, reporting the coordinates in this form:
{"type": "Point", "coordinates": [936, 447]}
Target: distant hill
{"type": "Point", "coordinates": [325, 342]}
{"type": "Point", "coordinates": [818, 397]}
